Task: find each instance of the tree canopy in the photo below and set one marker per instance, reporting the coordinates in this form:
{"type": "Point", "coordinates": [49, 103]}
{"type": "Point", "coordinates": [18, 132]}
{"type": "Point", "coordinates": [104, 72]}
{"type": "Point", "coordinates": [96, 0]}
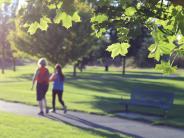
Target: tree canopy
{"type": "Point", "coordinates": [57, 43]}
{"type": "Point", "coordinates": [163, 18]}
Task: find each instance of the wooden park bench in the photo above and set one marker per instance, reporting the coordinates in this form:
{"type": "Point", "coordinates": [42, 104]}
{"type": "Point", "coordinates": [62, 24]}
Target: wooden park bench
{"type": "Point", "coordinates": [150, 98]}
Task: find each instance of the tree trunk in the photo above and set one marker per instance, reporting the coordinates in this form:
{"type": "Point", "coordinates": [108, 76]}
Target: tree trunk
{"type": "Point", "coordinates": [81, 68]}
{"type": "Point", "coordinates": [106, 68]}
{"type": "Point", "coordinates": [14, 64]}
{"type": "Point", "coordinates": [75, 70]}
{"type": "Point", "coordinates": [123, 66]}
{"type": "Point", "coordinates": [178, 2]}
{"type": "Point", "coordinates": [3, 60]}
{"type": "Point", "coordinates": [2, 66]}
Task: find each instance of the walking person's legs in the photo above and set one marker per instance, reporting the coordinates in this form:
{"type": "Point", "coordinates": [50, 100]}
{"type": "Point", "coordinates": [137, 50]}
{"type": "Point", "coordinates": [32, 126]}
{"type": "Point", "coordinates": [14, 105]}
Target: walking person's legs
{"type": "Point", "coordinates": [53, 100]}
{"type": "Point", "coordinates": [45, 89]}
{"type": "Point", "coordinates": [45, 103]}
{"type": "Point", "coordinates": [39, 98]}
{"type": "Point", "coordinates": [41, 107]}
{"type": "Point", "coordinates": [60, 98]}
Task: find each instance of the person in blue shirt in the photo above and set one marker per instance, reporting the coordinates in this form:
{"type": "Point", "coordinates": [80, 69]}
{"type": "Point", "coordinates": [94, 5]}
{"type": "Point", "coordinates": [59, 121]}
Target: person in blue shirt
{"type": "Point", "coordinates": [58, 83]}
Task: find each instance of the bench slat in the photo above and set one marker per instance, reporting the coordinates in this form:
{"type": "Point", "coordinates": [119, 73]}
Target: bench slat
{"type": "Point", "coordinates": [152, 98]}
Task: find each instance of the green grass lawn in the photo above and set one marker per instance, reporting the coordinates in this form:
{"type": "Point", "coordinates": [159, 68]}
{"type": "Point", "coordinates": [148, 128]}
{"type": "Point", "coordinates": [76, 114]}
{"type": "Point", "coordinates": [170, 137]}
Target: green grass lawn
{"type": "Point", "coordinates": [97, 91]}
{"type": "Point", "coordinates": [14, 126]}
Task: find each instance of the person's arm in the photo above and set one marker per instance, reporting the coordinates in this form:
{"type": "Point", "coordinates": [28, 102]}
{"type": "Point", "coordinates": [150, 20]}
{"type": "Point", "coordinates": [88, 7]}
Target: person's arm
{"type": "Point", "coordinates": [52, 77]}
{"type": "Point", "coordinates": [34, 79]}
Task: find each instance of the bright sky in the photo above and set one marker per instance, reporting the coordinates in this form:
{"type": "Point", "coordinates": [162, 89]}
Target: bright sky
{"type": "Point", "coordinates": [21, 3]}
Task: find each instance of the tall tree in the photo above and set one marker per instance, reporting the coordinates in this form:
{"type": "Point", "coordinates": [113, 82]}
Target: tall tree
{"type": "Point", "coordinates": [57, 44]}
{"type": "Point", "coordinates": [164, 18]}
{"type": "Point", "coordinates": [4, 27]}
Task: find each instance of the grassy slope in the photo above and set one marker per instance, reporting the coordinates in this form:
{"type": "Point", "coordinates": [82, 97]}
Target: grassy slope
{"type": "Point", "coordinates": [13, 126]}
{"type": "Point", "coordinates": [97, 91]}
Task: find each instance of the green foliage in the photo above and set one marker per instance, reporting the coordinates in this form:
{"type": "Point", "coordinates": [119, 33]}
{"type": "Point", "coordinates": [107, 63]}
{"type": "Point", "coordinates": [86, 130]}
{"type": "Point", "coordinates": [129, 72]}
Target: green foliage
{"type": "Point", "coordinates": [64, 18]}
{"type": "Point", "coordinates": [120, 15]}
{"type": "Point", "coordinates": [130, 11]}
{"type": "Point", "coordinates": [5, 1]}
{"type": "Point", "coordinates": [166, 68]}
{"type": "Point", "coordinates": [160, 47]}
{"type": "Point", "coordinates": [33, 28]}
{"type": "Point", "coordinates": [43, 25]}
{"type": "Point", "coordinates": [19, 126]}
{"type": "Point", "coordinates": [52, 6]}
{"type": "Point", "coordinates": [14, 86]}
{"type": "Point", "coordinates": [99, 18]}
{"type": "Point", "coordinates": [61, 17]}
{"type": "Point", "coordinates": [128, 18]}
{"type": "Point", "coordinates": [57, 44]}
{"type": "Point", "coordinates": [118, 49]}
{"type": "Point", "coordinates": [122, 34]}
{"type": "Point", "coordinates": [99, 33]}
{"type": "Point", "coordinates": [76, 18]}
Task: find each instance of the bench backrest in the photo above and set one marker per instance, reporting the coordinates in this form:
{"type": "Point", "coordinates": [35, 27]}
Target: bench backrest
{"type": "Point", "coordinates": [154, 98]}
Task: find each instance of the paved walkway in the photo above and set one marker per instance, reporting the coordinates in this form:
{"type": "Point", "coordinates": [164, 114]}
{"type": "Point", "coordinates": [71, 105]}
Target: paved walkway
{"type": "Point", "coordinates": [130, 127]}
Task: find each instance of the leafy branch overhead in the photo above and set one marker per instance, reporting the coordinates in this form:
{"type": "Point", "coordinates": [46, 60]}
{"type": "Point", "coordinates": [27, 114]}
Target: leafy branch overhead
{"type": "Point", "coordinates": [164, 21]}
{"type": "Point", "coordinates": [65, 19]}
{"type": "Point", "coordinates": [166, 68]}
{"type": "Point", "coordinates": [61, 17]}
{"type": "Point", "coordinates": [118, 49]}
{"type": "Point", "coordinates": [161, 46]}
{"type": "Point", "coordinates": [5, 1]}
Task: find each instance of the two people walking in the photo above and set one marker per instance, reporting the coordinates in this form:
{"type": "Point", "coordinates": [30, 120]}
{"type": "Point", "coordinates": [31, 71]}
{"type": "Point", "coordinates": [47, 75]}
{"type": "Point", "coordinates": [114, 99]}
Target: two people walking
{"type": "Point", "coordinates": [42, 79]}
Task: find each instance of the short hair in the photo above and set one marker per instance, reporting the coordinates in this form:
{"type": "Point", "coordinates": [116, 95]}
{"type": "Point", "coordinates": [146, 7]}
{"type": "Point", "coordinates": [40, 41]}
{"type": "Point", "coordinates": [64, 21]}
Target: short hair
{"type": "Point", "coordinates": [42, 62]}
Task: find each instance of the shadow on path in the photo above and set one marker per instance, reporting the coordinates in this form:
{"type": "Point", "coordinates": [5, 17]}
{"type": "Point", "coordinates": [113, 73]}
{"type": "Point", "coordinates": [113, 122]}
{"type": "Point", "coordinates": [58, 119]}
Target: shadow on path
{"type": "Point", "coordinates": [82, 123]}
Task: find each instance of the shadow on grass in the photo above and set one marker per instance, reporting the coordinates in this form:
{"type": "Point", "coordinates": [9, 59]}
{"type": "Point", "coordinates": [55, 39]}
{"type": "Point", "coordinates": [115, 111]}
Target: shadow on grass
{"type": "Point", "coordinates": [25, 77]}
{"type": "Point", "coordinates": [118, 85]}
{"type": "Point", "coordinates": [129, 74]}
{"type": "Point", "coordinates": [115, 84]}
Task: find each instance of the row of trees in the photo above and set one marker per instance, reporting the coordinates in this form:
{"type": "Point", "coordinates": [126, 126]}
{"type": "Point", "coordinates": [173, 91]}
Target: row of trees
{"type": "Point", "coordinates": [163, 18]}
{"type": "Point", "coordinates": [57, 44]}
{"type": "Point", "coordinates": [7, 14]}
{"type": "Point", "coordinates": [122, 22]}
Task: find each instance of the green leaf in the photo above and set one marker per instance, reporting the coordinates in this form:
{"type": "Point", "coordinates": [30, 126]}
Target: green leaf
{"type": "Point", "coordinates": [118, 49]}
{"type": "Point", "coordinates": [52, 6]}
{"type": "Point", "coordinates": [5, 1]}
{"type": "Point", "coordinates": [59, 5]}
{"type": "Point", "coordinates": [179, 21]}
{"type": "Point", "coordinates": [44, 21]}
{"type": "Point", "coordinates": [58, 17]}
{"type": "Point", "coordinates": [33, 28]}
{"type": "Point", "coordinates": [26, 25]}
{"type": "Point", "coordinates": [76, 17]}
{"type": "Point", "coordinates": [66, 20]}
{"type": "Point", "coordinates": [166, 68]}
{"type": "Point", "coordinates": [130, 11]}
{"type": "Point", "coordinates": [161, 46]}
{"type": "Point", "coordinates": [160, 49]}
{"type": "Point", "coordinates": [154, 52]}
{"type": "Point", "coordinates": [100, 32]}
{"type": "Point", "coordinates": [99, 18]}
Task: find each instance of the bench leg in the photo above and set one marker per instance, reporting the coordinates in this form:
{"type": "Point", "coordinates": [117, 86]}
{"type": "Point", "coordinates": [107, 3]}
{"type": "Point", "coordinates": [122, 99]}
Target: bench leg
{"type": "Point", "coordinates": [165, 113]}
{"type": "Point", "coordinates": [126, 107]}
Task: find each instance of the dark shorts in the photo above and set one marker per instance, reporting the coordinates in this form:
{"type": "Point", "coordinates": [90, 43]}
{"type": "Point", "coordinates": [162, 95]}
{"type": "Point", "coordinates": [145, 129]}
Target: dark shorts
{"type": "Point", "coordinates": [57, 91]}
{"type": "Point", "coordinates": [41, 90]}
